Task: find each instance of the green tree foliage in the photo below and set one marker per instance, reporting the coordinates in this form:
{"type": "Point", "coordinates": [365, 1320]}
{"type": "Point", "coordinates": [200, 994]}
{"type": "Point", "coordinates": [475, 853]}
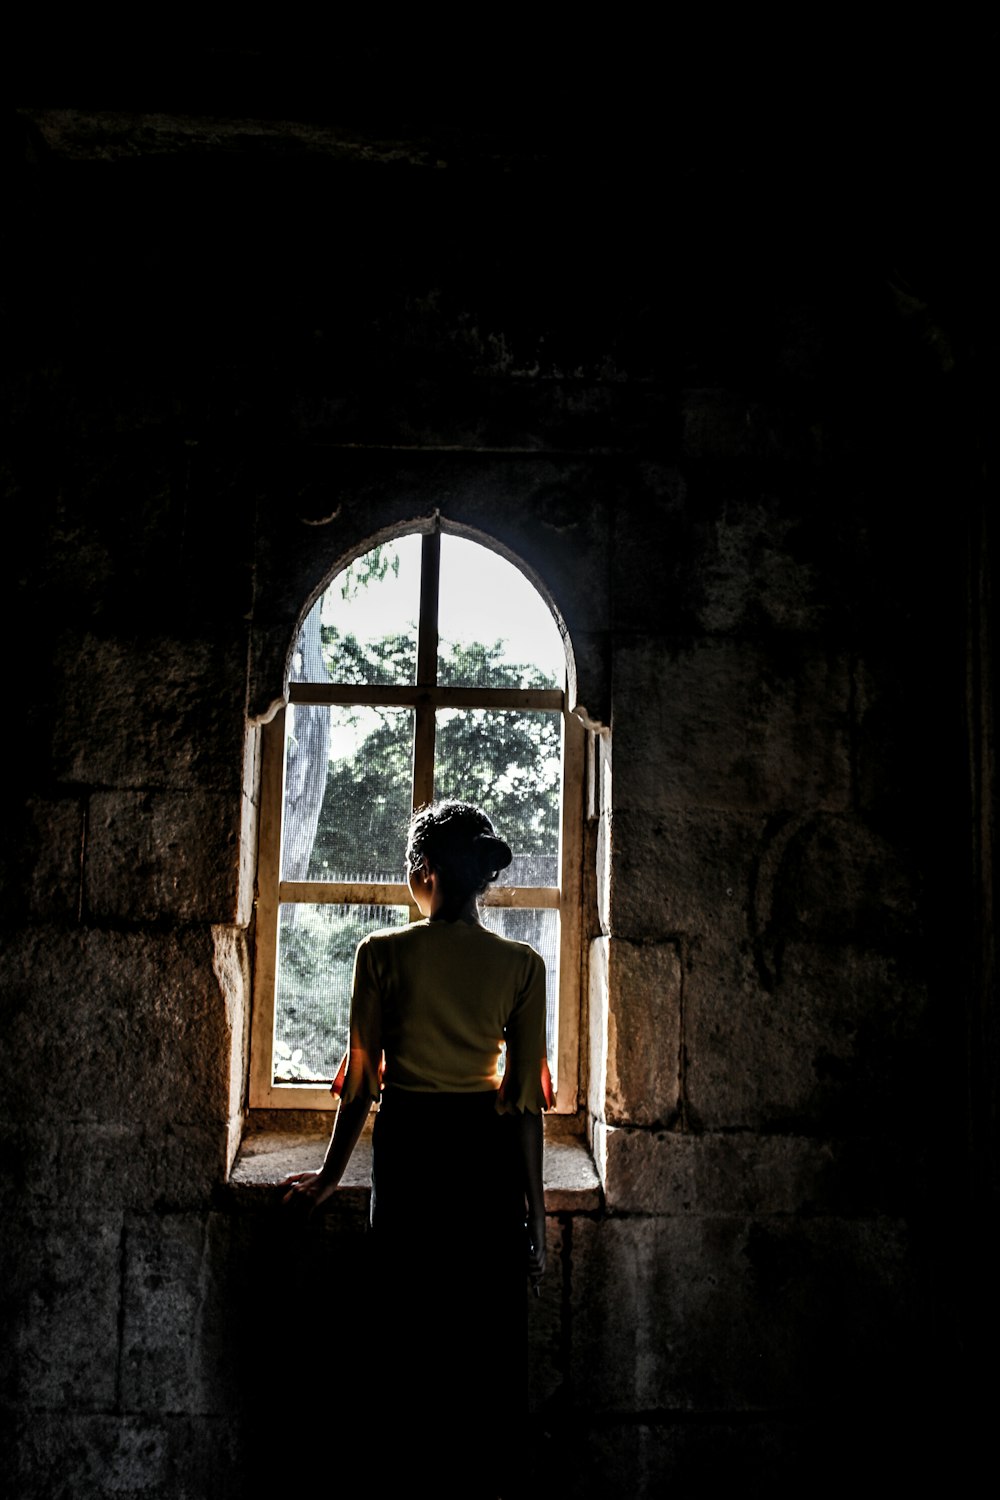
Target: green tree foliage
{"type": "Point", "coordinates": [506, 762]}
{"type": "Point", "coordinates": [315, 968]}
{"type": "Point", "coordinates": [372, 567]}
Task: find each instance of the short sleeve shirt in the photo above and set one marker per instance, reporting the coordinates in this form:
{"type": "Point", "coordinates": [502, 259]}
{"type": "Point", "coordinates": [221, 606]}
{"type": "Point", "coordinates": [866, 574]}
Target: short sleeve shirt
{"type": "Point", "coordinates": [441, 1003]}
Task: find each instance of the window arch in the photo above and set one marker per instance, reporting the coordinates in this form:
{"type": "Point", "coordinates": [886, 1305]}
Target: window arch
{"type": "Point", "coordinates": [429, 667]}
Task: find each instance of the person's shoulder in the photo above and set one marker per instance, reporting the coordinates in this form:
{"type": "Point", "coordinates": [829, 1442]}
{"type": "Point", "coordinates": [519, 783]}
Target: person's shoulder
{"type": "Point", "coordinates": [386, 937]}
{"type": "Point", "coordinates": [514, 948]}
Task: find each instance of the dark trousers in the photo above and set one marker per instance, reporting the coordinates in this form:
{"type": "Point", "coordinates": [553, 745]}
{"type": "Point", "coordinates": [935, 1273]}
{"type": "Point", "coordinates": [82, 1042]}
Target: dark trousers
{"type": "Point", "coordinates": [449, 1291]}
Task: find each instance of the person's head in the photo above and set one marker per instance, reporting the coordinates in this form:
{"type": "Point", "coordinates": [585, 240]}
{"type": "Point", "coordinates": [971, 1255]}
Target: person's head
{"type": "Point", "coordinates": [456, 842]}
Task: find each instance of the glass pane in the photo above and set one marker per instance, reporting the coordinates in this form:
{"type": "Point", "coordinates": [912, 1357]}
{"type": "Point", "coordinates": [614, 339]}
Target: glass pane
{"type": "Point", "coordinates": [312, 1002]}
{"type": "Point", "coordinates": [364, 628]}
{"type": "Point", "coordinates": [494, 628]}
{"type": "Point", "coordinates": [347, 793]}
{"type": "Point", "coordinates": [541, 930]}
{"type": "Point", "coordinates": [509, 764]}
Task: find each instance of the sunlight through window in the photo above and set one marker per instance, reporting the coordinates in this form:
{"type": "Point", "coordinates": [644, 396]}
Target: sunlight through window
{"type": "Point", "coordinates": [430, 667]}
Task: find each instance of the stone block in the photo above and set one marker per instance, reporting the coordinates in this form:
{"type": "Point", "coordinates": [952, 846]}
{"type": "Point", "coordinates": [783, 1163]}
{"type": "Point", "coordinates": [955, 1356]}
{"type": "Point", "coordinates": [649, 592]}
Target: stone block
{"type": "Point", "coordinates": [604, 871]}
{"type": "Point", "coordinates": [40, 861]}
{"type": "Point", "coordinates": [249, 824]}
{"type": "Point", "coordinates": [902, 746]}
{"type": "Point", "coordinates": [232, 965]}
{"type": "Point", "coordinates": [742, 878]}
{"type": "Point", "coordinates": [834, 877]}
{"type": "Point", "coordinates": [648, 589]}
{"type": "Point", "coordinates": [752, 573]}
{"type": "Point", "coordinates": [723, 425]}
{"type": "Point", "coordinates": [837, 1044]}
{"type": "Point", "coordinates": [252, 746]}
{"type": "Point", "coordinates": [588, 685]}
{"type": "Point", "coordinates": [103, 1167]}
{"type": "Point", "coordinates": [178, 1353]}
{"type": "Point", "coordinates": [758, 1458]}
{"type": "Point", "coordinates": [571, 1181]}
{"type": "Point", "coordinates": [182, 851]}
{"type": "Point", "coordinates": [91, 1457]}
{"type": "Point", "coordinates": [104, 517]}
{"type": "Point", "coordinates": [732, 1314]}
{"type": "Point", "coordinates": [716, 556]}
{"type": "Point", "coordinates": [597, 1017]}
{"type": "Point", "coordinates": [729, 725]}
{"type": "Point", "coordinates": [665, 1172]}
{"type": "Point", "coordinates": [60, 1453]}
{"type": "Point", "coordinates": [685, 872]}
{"type": "Point", "coordinates": [635, 1031]}
{"type": "Point", "coordinates": [603, 768]}
{"type": "Point", "coordinates": [60, 1290]}
{"type": "Point", "coordinates": [247, 875]}
{"type": "Point", "coordinates": [151, 711]}
{"type": "Point", "coordinates": [597, 833]}
{"type": "Point", "coordinates": [801, 936]}
{"type": "Point", "coordinates": [270, 648]}
{"type": "Point", "coordinates": [124, 1027]}
{"type": "Point", "coordinates": [267, 1157]}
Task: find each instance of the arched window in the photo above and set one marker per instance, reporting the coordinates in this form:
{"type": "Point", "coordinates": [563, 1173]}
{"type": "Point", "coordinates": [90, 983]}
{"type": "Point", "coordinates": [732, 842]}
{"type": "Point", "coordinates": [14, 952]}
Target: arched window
{"type": "Point", "coordinates": [429, 668]}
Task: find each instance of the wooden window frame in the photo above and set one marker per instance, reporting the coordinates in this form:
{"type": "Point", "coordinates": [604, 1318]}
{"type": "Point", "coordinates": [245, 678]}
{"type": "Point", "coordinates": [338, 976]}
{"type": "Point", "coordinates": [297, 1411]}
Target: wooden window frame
{"type": "Point", "coordinates": [425, 698]}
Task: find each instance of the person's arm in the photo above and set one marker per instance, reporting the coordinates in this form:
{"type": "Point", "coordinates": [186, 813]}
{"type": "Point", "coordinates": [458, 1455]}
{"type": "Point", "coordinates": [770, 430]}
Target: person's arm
{"type": "Point", "coordinates": [529, 1137]}
{"type": "Point", "coordinates": [523, 1088]}
{"type": "Point", "coordinates": [360, 1082]}
{"type": "Point", "coordinates": [311, 1189]}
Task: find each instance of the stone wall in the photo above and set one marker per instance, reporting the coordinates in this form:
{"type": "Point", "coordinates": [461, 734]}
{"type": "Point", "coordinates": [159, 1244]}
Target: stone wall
{"type": "Point", "coordinates": [240, 352]}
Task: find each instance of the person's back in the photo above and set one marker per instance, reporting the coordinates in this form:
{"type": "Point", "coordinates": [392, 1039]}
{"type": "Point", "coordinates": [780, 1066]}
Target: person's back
{"type": "Point", "coordinates": [459, 1007]}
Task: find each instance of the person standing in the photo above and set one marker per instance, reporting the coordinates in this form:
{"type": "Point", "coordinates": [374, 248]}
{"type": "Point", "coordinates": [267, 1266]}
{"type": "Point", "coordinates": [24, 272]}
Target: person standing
{"type": "Point", "coordinates": [447, 1036]}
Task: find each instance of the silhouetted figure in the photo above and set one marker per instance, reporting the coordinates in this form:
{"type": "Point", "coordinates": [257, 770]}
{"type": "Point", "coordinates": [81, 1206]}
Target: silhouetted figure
{"type": "Point", "coordinates": [457, 1209]}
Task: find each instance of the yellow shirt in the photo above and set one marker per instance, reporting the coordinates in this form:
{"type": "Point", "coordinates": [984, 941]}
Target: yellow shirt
{"type": "Point", "coordinates": [439, 1000]}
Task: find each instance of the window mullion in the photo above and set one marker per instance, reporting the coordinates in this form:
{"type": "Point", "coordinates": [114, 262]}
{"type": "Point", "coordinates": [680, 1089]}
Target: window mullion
{"type": "Point", "coordinates": [423, 755]}
{"type": "Point", "coordinates": [400, 695]}
{"type": "Point", "coordinates": [427, 629]}
{"type": "Point", "coordinates": [345, 893]}
{"type": "Point", "coordinates": [427, 653]}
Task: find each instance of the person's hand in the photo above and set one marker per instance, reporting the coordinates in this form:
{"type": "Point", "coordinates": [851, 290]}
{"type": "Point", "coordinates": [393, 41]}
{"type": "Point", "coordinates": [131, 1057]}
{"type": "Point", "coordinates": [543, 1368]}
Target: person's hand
{"type": "Point", "coordinates": [306, 1191]}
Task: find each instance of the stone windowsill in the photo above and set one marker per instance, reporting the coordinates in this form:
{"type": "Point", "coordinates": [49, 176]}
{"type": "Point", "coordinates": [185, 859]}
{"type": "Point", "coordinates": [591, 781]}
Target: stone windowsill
{"type": "Point", "coordinates": [267, 1156]}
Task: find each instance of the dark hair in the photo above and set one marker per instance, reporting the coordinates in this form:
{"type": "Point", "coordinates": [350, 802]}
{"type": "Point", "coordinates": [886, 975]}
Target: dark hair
{"type": "Point", "coordinates": [460, 843]}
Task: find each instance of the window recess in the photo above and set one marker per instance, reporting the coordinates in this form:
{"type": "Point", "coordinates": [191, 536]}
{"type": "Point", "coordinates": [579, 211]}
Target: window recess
{"type": "Point", "coordinates": [429, 668]}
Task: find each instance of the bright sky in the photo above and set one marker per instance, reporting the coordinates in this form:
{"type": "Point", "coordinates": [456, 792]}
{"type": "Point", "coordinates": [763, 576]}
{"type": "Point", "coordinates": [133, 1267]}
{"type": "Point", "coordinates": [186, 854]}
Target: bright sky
{"type": "Point", "coordinates": [483, 597]}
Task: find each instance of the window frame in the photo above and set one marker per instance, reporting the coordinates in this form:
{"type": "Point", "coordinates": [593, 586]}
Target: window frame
{"type": "Point", "coordinates": [425, 697]}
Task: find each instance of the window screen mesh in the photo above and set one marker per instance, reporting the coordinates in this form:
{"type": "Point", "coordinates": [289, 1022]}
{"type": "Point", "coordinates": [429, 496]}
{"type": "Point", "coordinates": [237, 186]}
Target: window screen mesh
{"type": "Point", "coordinates": [541, 930]}
{"type": "Point", "coordinates": [494, 629]}
{"type": "Point", "coordinates": [509, 764]}
{"type": "Point", "coordinates": [364, 628]}
{"type": "Point", "coordinates": [312, 1008]}
{"type": "Point", "coordinates": [347, 793]}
